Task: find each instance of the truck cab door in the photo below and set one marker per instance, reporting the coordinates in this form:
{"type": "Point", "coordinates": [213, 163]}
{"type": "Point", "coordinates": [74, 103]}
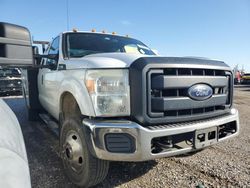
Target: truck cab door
{"type": "Point", "coordinates": [47, 79]}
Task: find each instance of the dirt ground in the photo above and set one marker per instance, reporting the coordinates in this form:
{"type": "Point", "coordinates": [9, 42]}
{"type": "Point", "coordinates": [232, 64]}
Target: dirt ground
{"type": "Point", "coordinates": [223, 165]}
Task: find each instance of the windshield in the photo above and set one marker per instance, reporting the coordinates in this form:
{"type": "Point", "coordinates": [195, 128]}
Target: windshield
{"type": "Point", "coordinates": [81, 44]}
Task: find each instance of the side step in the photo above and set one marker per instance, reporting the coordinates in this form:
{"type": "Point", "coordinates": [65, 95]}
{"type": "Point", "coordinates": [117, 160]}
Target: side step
{"type": "Point", "coordinates": [51, 124]}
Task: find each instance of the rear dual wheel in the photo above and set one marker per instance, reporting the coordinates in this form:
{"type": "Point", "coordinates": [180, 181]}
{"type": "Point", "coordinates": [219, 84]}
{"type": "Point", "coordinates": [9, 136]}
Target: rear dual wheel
{"type": "Point", "coordinates": [82, 168]}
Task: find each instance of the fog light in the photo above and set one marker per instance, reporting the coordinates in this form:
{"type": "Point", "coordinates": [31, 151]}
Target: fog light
{"type": "Point", "coordinates": [120, 143]}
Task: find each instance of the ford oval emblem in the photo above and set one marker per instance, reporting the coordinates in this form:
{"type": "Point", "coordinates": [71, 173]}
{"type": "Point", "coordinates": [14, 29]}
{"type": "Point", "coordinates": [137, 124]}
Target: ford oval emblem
{"type": "Point", "coordinates": [200, 92]}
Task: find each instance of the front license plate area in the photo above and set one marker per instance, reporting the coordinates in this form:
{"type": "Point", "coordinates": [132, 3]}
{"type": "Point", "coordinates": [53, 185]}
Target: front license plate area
{"type": "Point", "coordinates": [205, 137]}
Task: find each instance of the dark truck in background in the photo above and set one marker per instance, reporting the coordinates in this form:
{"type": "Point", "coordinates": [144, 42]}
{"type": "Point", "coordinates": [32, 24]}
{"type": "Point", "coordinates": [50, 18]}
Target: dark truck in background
{"type": "Point", "coordinates": [10, 81]}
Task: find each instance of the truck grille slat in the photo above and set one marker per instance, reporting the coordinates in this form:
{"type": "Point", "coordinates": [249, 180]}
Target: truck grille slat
{"type": "Point", "coordinates": [193, 72]}
{"type": "Point", "coordinates": [180, 82]}
{"type": "Point", "coordinates": [173, 103]}
{"type": "Point", "coordinates": [195, 111]}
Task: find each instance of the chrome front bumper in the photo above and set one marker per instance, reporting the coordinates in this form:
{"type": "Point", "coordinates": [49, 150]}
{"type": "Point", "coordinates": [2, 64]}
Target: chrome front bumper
{"type": "Point", "coordinates": [143, 136]}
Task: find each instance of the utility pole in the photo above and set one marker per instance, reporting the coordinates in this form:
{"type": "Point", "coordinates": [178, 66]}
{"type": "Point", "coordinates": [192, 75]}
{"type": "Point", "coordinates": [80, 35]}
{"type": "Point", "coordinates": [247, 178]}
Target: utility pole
{"type": "Point", "coordinates": [67, 4]}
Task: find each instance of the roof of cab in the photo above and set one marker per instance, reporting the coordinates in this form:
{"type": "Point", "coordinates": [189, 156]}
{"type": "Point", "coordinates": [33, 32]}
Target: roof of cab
{"type": "Point", "coordinates": [95, 32]}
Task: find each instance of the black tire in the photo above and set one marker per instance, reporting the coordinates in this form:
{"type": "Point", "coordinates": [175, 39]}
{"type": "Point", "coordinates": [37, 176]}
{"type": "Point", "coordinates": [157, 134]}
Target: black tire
{"type": "Point", "coordinates": [81, 167]}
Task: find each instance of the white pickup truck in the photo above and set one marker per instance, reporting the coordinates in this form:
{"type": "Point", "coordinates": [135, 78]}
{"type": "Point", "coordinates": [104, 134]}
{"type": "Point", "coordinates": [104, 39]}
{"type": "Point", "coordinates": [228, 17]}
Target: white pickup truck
{"type": "Point", "coordinates": [115, 100]}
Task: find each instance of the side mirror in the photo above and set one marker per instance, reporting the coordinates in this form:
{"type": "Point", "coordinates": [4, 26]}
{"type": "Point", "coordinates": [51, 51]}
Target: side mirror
{"type": "Point", "coordinates": [38, 58]}
{"type": "Point", "coordinates": [48, 56]}
{"type": "Point", "coordinates": [15, 46]}
{"type": "Point", "coordinates": [53, 56]}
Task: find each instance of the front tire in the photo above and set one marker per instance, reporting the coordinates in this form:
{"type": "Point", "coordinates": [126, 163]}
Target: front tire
{"type": "Point", "coordinates": [80, 166]}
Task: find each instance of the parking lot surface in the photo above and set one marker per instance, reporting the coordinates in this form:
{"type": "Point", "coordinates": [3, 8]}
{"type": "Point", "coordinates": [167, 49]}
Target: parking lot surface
{"type": "Point", "coordinates": [223, 165]}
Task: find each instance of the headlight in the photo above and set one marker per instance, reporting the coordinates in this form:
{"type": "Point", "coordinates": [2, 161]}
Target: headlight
{"type": "Point", "coordinates": [109, 91]}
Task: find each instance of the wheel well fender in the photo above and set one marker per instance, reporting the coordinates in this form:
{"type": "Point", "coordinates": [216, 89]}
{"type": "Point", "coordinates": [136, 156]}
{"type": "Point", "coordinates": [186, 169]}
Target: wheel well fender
{"type": "Point", "coordinates": [77, 91]}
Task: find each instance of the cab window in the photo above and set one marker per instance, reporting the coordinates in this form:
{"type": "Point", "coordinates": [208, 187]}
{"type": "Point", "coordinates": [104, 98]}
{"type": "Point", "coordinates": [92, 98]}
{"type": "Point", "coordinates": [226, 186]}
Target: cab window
{"type": "Point", "coordinates": [53, 50]}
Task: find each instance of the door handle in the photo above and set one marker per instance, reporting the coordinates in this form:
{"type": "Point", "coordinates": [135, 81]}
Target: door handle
{"type": "Point", "coordinates": [42, 79]}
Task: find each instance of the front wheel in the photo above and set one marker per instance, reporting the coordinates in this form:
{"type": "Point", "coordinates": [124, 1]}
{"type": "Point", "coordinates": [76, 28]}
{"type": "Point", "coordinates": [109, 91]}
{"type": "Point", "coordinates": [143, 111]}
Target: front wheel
{"type": "Point", "coordinates": [80, 166]}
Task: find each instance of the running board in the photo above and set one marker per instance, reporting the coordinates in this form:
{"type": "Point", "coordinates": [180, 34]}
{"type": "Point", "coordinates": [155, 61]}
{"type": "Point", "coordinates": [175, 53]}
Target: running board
{"type": "Point", "coordinates": [51, 124]}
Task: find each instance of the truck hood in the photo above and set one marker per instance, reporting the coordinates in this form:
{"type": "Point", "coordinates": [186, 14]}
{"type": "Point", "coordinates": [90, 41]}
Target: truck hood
{"type": "Point", "coordinates": [103, 60]}
{"type": "Point", "coordinates": [124, 60]}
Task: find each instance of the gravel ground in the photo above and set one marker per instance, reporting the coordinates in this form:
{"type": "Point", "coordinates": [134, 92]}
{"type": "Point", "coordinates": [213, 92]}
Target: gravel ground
{"type": "Point", "coordinates": [223, 165]}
